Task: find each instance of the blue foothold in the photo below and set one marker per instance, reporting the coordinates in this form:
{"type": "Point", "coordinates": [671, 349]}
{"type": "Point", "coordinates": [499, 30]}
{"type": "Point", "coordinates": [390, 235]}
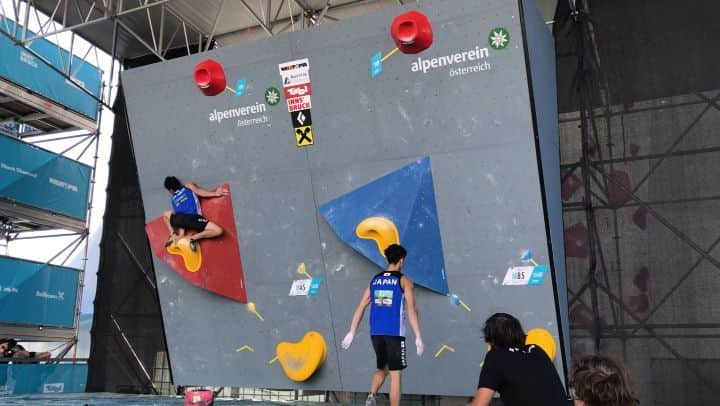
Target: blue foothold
{"type": "Point", "coordinates": [454, 299]}
{"type": "Point", "coordinates": [526, 255]}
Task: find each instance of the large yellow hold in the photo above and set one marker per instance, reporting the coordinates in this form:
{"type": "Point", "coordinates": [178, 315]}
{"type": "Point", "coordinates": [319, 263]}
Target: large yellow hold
{"type": "Point", "coordinates": [380, 229]}
{"type": "Point", "coordinates": [300, 360]}
{"type": "Point", "coordinates": [192, 259]}
{"type": "Point", "coordinates": [543, 339]}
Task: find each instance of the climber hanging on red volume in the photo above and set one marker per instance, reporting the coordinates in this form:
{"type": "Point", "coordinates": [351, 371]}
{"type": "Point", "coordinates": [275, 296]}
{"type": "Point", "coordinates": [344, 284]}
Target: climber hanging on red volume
{"type": "Point", "coordinates": [186, 213]}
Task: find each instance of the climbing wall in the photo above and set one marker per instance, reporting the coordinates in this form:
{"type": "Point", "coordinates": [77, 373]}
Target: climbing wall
{"type": "Point", "coordinates": [455, 148]}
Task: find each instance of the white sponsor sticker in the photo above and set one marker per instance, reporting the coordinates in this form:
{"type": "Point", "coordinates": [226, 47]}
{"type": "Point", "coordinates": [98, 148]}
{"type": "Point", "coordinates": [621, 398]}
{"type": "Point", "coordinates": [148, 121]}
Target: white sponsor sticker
{"type": "Point", "coordinates": [300, 287]}
{"type": "Point", "coordinates": [518, 275]}
{"type": "Point", "coordinates": [295, 72]}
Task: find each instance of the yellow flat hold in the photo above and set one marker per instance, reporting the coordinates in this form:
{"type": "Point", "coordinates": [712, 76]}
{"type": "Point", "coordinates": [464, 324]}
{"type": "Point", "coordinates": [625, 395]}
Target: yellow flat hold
{"type": "Point", "coordinates": [466, 307]}
{"type": "Point", "coordinates": [272, 360]}
{"type": "Point", "coordinates": [379, 229]}
{"type": "Point", "coordinates": [245, 348]}
{"type": "Point", "coordinates": [534, 262]}
{"type": "Point", "coordinates": [543, 339]}
{"type": "Point", "coordinates": [191, 259]}
{"type": "Point", "coordinates": [300, 360]}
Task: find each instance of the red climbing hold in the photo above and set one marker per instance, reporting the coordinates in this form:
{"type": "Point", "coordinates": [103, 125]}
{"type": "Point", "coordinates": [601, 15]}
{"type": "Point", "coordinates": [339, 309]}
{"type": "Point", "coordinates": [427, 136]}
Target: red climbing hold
{"type": "Point", "coordinates": [411, 32]}
{"type": "Point", "coordinates": [569, 186]}
{"type": "Point", "coordinates": [209, 77]}
{"type": "Point", "coordinates": [640, 218]}
{"type": "Point", "coordinates": [576, 241]}
{"type": "Point", "coordinates": [641, 279]}
{"type": "Point", "coordinates": [618, 187]}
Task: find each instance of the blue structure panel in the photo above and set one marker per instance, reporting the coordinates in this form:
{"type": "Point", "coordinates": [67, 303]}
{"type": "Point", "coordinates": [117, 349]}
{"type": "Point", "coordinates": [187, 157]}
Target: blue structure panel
{"type": "Point", "coordinates": [21, 67]}
{"type": "Point", "coordinates": [407, 198]}
{"type": "Point", "coordinates": [22, 379]}
{"type": "Point", "coordinates": [36, 293]}
{"type": "Point", "coordinates": [43, 179]}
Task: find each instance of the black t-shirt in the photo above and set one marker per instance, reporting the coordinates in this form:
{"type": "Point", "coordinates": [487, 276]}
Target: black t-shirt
{"type": "Point", "coordinates": [523, 377]}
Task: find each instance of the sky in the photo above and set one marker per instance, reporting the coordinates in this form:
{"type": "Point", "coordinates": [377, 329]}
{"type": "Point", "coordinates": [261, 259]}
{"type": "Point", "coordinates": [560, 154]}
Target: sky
{"type": "Point", "coordinates": [45, 248]}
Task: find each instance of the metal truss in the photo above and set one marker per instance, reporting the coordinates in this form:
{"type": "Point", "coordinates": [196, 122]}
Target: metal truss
{"type": "Point", "coordinates": [596, 176]}
{"type": "Point", "coordinates": [44, 225]}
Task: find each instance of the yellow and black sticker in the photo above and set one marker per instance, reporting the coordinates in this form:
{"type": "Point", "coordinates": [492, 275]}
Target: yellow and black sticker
{"type": "Point", "coordinates": [304, 136]}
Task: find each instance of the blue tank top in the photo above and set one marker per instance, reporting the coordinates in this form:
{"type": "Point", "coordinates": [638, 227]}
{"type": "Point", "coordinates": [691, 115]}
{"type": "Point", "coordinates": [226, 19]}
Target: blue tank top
{"type": "Point", "coordinates": [185, 201]}
{"type": "Point", "coordinates": [387, 305]}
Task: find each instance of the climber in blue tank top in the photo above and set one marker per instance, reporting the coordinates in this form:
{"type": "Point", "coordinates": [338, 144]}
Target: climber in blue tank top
{"type": "Point", "coordinates": [186, 213]}
{"type": "Point", "coordinates": [389, 295]}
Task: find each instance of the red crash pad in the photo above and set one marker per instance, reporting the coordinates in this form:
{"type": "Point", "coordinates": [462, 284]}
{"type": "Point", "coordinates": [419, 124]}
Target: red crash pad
{"type": "Point", "coordinates": [221, 270]}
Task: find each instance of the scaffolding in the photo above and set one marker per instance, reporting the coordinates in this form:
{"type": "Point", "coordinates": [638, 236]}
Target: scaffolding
{"type": "Point", "coordinates": [601, 201]}
{"type": "Point", "coordinates": [35, 119]}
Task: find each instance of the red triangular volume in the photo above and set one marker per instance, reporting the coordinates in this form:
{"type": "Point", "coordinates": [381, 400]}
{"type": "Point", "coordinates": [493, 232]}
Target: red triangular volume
{"type": "Point", "coordinates": [221, 269]}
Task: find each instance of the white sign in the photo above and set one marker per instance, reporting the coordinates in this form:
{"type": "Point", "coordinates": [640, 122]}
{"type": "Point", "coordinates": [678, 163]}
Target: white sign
{"type": "Point", "coordinates": [300, 287]}
{"type": "Point", "coordinates": [54, 387]}
{"type": "Point", "coordinates": [295, 72]}
{"type": "Point", "coordinates": [518, 275]}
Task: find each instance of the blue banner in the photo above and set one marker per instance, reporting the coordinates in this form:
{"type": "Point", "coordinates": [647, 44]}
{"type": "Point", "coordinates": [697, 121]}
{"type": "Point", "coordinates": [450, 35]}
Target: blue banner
{"type": "Point", "coordinates": [19, 66]}
{"type": "Point", "coordinates": [35, 293]}
{"type": "Point", "coordinates": [43, 179]}
{"type": "Point", "coordinates": [21, 379]}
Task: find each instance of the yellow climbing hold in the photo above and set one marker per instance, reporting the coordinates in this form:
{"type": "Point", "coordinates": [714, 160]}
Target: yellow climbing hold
{"type": "Point", "coordinates": [543, 339]}
{"type": "Point", "coordinates": [245, 348]}
{"type": "Point", "coordinates": [300, 360]}
{"type": "Point", "coordinates": [192, 259]}
{"type": "Point", "coordinates": [443, 348]}
{"type": "Point", "coordinates": [253, 310]}
{"type": "Point", "coordinates": [380, 229]}
{"type": "Point", "coordinates": [302, 271]}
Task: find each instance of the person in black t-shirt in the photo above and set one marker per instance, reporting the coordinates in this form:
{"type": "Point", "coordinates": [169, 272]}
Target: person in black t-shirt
{"type": "Point", "coordinates": [522, 375]}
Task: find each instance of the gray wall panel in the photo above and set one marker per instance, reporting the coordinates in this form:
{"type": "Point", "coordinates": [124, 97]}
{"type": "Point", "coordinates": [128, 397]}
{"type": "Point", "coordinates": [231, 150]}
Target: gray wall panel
{"type": "Point", "coordinates": [476, 129]}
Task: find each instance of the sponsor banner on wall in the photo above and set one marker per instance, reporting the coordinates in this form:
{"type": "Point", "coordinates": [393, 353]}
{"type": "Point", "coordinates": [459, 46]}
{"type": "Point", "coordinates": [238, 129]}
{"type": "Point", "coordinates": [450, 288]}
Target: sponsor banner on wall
{"type": "Point", "coordinates": [36, 293]}
{"type": "Point", "coordinates": [21, 67]}
{"type": "Point", "coordinates": [43, 179]}
{"type": "Point", "coordinates": [22, 379]}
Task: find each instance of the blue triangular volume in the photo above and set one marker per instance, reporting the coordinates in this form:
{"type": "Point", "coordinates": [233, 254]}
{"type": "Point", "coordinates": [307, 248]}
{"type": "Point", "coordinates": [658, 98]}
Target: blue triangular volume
{"type": "Point", "coordinates": [406, 197]}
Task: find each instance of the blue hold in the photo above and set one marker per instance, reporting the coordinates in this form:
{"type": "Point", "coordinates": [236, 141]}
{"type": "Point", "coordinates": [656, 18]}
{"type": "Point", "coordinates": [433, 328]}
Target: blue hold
{"type": "Point", "coordinates": [407, 198]}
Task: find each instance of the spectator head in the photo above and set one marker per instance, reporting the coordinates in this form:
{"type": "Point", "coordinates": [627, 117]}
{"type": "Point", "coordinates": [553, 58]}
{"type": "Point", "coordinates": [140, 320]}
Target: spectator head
{"type": "Point", "coordinates": [395, 253]}
{"type": "Point", "coordinates": [504, 331]}
{"type": "Point", "coordinates": [172, 184]}
{"type": "Point", "coordinates": [600, 381]}
{"type": "Point", "coordinates": [5, 344]}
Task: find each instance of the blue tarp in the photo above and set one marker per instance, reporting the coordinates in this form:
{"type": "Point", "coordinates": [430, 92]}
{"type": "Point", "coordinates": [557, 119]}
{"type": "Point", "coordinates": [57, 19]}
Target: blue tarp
{"type": "Point", "coordinates": [407, 198]}
{"type": "Point", "coordinates": [18, 379]}
{"type": "Point", "coordinates": [36, 293]}
{"type": "Point", "coordinates": [21, 67]}
{"type": "Point", "coordinates": [43, 179]}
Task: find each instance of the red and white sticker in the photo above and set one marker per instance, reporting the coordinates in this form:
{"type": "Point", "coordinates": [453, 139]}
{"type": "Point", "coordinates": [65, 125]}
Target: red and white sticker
{"type": "Point", "coordinates": [298, 90]}
{"type": "Point", "coordinates": [299, 103]}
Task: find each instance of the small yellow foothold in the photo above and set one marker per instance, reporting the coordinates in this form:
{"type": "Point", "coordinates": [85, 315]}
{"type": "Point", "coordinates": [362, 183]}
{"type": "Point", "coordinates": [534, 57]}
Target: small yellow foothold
{"type": "Point", "coordinates": [253, 310]}
{"type": "Point", "coordinates": [303, 271]}
{"type": "Point", "coordinates": [465, 306]}
{"type": "Point", "coordinates": [245, 347]}
{"type": "Point", "coordinates": [534, 262]}
{"type": "Point", "coordinates": [443, 348]}
{"type": "Point", "coordinates": [272, 360]}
